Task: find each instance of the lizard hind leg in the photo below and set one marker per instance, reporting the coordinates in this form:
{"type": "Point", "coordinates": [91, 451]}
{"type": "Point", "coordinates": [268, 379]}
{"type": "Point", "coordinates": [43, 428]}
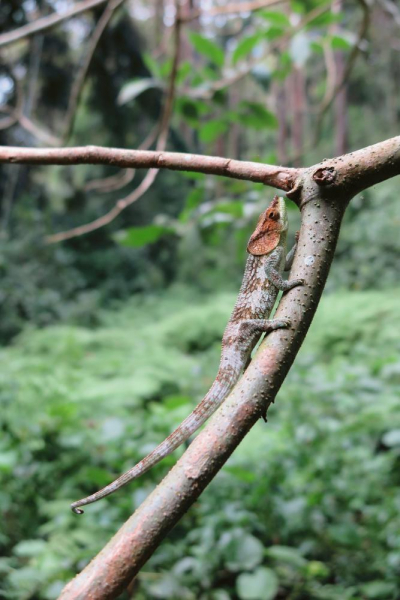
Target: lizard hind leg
{"type": "Point", "coordinates": [250, 327]}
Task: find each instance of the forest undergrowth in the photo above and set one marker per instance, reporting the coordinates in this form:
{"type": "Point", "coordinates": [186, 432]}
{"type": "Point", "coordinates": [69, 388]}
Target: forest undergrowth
{"type": "Point", "coordinates": [306, 508]}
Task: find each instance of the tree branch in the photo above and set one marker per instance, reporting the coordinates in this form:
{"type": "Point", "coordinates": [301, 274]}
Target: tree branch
{"type": "Point", "coordinates": [278, 177]}
{"type": "Point", "coordinates": [368, 166]}
{"type": "Point", "coordinates": [152, 174]}
{"type": "Point", "coordinates": [329, 98]}
{"type": "Point", "coordinates": [322, 192]}
{"type": "Point", "coordinates": [229, 9]}
{"type": "Point", "coordinates": [46, 22]}
{"type": "Point", "coordinates": [115, 182]}
{"type": "Point", "coordinates": [79, 81]}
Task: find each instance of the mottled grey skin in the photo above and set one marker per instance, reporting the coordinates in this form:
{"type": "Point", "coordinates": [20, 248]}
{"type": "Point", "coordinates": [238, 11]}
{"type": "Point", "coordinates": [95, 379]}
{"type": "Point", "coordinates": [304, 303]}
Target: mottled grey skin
{"type": "Point", "coordinates": [261, 282]}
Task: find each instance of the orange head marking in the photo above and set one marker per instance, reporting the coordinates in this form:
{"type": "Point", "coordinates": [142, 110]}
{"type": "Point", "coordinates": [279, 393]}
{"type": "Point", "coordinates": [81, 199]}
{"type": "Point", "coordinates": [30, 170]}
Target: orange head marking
{"type": "Point", "coordinates": [269, 227]}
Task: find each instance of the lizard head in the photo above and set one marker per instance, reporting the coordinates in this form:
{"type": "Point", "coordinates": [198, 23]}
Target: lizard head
{"type": "Point", "coordinates": [271, 224]}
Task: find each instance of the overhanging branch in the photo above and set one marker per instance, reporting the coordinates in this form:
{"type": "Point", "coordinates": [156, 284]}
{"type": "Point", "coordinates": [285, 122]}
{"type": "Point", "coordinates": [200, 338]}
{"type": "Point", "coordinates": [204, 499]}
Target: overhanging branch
{"type": "Point", "coordinates": [48, 22]}
{"type": "Point", "coordinates": [281, 178]}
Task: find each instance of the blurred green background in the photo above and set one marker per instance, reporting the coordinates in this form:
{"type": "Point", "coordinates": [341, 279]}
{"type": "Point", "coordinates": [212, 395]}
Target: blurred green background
{"type": "Point", "coordinates": [110, 339]}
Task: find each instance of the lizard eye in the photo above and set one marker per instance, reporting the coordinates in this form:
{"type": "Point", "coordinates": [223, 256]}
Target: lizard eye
{"type": "Point", "coordinates": [273, 215]}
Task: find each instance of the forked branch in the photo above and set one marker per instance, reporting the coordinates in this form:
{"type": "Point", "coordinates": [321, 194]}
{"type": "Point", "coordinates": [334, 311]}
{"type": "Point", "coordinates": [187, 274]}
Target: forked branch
{"type": "Point", "coordinates": [322, 193]}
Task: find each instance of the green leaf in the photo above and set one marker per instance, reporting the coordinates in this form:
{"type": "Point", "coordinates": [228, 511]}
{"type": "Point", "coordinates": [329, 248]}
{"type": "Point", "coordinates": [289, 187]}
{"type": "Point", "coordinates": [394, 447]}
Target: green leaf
{"type": "Point", "coordinates": [8, 460]}
{"type": "Point", "coordinates": [185, 69]}
{"type": "Point", "coordinates": [256, 115]}
{"type": "Point", "coordinates": [132, 90]}
{"type": "Point", "coordinates": [207, 48]}
{"type": "Point", "coordinates": [377, 590]}
{"type": "Point", "coordinates": [191, 110]}
{"type": "Point", "coordinates": [288, 555]}
{"type": "Point", "coordinates": [274, 32]}
{"type": "Point", "coordinates": [245, 46]}
{"type": "Point", "coordinates": [232, 207]}
{"type": "Point", "coordinates": [241, 474]}
{"type": "Point", "coordinates": [165, 68]}
{"type": "Point", "coordinates": [194, 176]}
{"type": "Point", "coordinates": [317, 569]}
{"type": "Point", "coordinates": [29, 547]}
{"type": "Point", "coordinates": [195, 197]}
{"type": "Point", "coordinates": [243, 551]}
{"type": "Point", "coordinates": [297, 6]}
{"type": "Point", "coordinates": [136, 237]}
{"type": "Point", "coordinates": [210, 131]}
{"type": "Point", "coordinates": [275, 17]}
{"type": "Point", "coordinates": [284, 66]}
{"type": "Point", "coordinates": [326, 19]}
{"type": "Point", "coordinates": [152, 65]}
{"type": "Point", "coordinates": [317, 47]}
{"type": "Point", "coordinates": [392, 438]}
{"type": "Point", "coordinates": [262, 584]}
{"type": "Point", "coordinates": [340, 43]}
{"type": "Point", "coordinates": [173, 402]}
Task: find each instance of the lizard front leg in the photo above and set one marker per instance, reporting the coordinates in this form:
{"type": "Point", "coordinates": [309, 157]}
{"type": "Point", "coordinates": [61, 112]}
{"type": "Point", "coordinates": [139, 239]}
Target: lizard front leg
{"type": "Point", "coordinates": [273, 274]}
{"type": "Point", "coordinates": [290, 255]}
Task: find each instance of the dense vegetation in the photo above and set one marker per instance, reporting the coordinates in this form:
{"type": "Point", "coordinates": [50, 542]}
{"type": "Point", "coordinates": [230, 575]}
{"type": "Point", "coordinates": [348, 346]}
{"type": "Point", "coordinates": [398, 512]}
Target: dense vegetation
{"type": "Point", "coordinates": [308, 505]}
{"type": "Point", "coordinates": [110, 339]}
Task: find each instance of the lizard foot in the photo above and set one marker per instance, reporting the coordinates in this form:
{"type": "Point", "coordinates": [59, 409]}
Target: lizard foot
{"type": "Point", "coordinates": [281, 324]}
{"type": "Point", "coordinates": [293, 283]}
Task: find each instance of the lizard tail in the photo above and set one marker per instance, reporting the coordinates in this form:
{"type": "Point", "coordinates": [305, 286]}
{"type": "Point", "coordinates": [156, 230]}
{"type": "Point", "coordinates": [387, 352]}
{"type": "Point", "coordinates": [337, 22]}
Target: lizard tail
{"type": "Point", "coordinates": [224, 382]}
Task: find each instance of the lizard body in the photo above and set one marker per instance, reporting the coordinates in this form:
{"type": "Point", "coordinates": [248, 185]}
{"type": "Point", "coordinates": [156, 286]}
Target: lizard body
{"type": "Point", "coordinates": [261, 282]}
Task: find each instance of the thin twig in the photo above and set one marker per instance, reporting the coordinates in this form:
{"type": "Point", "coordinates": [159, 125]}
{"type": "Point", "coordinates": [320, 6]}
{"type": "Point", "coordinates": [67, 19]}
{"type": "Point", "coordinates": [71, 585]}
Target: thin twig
{"type": "Point", "coordinates": [47, 22]}
{"type": "Point", "coordinates": [79, 81]}
{"type": "Point", "coordinates": [151, 175]}
{"type": "Point", "coordinates": [391, 8]}
{"type": "Point", "coordinates": [8, 121]}
{"type": "Point", "coordinates": [115, 182]}
{"type": "Point", "coordinates": [111, 183]}
{"type": "Point", "coordinates": [364, 26]}
{"type": "Point", "coordinates": [331, 71]}
{"type": "Point", "coordinates": [17, 116]}
{"type": "Point", "coordinates": [232, 9]}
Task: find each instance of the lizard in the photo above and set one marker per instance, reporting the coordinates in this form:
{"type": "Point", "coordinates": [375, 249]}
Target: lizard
{"type": "Point", "coordinates": [249, 320]}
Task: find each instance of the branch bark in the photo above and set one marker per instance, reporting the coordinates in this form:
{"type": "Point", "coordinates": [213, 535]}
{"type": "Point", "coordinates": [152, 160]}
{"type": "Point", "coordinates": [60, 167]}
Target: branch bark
{"type": "Point", "coordinates": [279, 177]}
{"type": "Point", "coordinates": [360, 169]}
{"type": "Point", "coordinates": [48, 22]}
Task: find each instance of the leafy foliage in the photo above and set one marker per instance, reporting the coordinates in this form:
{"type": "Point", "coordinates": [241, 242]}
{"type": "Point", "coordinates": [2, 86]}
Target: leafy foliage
{"type": "Point", "coordinates": [306, 506]}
